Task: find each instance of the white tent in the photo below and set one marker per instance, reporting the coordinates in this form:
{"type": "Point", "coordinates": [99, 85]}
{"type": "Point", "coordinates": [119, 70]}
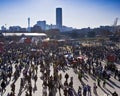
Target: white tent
{"type": "Point", "coordinates": [24, 34]}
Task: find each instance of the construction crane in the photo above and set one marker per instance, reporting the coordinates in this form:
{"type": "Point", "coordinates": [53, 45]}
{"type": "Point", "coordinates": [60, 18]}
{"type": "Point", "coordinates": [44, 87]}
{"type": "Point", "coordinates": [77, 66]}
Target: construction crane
{"type": "Point", "coordinates": [115, 25]}
{"type": "Point", "coordinates": [115, 22]}
{"type": "Point", "coordinates": [115, 31]}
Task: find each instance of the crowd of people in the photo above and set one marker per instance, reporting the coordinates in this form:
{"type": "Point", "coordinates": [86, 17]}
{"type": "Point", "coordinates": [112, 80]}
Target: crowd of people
{"type": "Point", "coordinates": [26, 61]}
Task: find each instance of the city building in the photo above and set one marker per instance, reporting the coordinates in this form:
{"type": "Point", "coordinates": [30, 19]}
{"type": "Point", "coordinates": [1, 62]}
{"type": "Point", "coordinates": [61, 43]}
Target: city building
{"type": "Point", "coordinates": [59, 18]}
{"type": "Point", "coordinates": [42, 24]}
{"type": "Point", "coordinates": [36, 28]}
{"type": "Point", "coordinates": [14, 28]}
{"type": "Point", "coordinates": [3, 28]}
{"type": "Point", "coordinates": [66, 29]}
{"type": "Point", "coordinates": [29, 29]}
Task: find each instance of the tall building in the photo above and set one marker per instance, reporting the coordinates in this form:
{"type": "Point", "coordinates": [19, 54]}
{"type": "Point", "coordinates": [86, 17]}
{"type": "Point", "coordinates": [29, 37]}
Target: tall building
{"type": "Point", "coordinates": [29, 25]}
{"type": "Point", "coordinates": [59, 18]}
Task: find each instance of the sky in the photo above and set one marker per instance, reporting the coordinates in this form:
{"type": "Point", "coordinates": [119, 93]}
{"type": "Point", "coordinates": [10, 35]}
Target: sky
{"type": "Point", "coordinates": [76, 13]}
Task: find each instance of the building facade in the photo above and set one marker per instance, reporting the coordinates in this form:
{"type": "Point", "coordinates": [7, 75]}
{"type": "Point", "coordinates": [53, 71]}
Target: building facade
{"type": "Point", "coordinates": [59, 18]}
{"type": "Point", "coordinates": [29, 29]}
{"type": "Point", "coordinates": [42, 24]}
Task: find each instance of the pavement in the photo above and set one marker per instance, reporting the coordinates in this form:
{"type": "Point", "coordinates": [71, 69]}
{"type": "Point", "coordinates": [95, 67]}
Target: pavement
{"type": "Point", "coordinates": [111, 86]}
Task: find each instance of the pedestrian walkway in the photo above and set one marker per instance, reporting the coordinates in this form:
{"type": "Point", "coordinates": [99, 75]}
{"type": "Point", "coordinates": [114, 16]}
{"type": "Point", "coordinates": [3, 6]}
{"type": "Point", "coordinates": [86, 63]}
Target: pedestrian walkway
{"type": "Point", "coordinates": [111, 86]}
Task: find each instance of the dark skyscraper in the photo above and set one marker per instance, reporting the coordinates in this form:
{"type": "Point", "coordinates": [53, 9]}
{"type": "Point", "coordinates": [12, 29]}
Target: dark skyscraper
{"type": "Point", "coordinates": [59, 18]}
{"type": "Point", "coordinates": [28, 22]}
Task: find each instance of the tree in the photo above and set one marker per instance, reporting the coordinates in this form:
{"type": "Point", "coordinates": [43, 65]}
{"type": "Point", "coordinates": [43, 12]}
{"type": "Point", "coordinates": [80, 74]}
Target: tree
{"type": "Point", "coordinates": [53, 33]}
{"type": "Point", "coordinates": [91, 34]}
{"type": "Point", "coordinates": [36, 29]}
{"type": "Point", "coordinates": [74, 34]}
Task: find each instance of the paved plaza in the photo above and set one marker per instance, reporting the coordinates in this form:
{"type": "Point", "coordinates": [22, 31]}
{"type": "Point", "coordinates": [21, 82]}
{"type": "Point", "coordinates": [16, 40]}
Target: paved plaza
{"type": "Point", "coordinates": [111, 86]}
{"type": "Point", "coordinates": [30, 71]}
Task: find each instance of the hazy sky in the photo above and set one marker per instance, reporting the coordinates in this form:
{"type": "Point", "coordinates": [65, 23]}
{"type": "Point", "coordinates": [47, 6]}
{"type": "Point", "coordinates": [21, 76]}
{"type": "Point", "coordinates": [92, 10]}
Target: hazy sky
{"type": "Point", "coordinates": [76, 13]}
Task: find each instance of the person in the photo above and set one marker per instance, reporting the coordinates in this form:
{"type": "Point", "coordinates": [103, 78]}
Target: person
{"type": "Point", "coordinates": [65, 91]}
{"type": "Point", "coordinates": [116, 73]}
{"type": "Point", "coordinates": [21, 83]}
{"type": "Point", "coordinates": [114, 93]}
{"type": "Point", "coordinates": [3, 85]}
{"type": "Point", "coordinates": [35, 78]}
{"type": "Point", "coordinates": [70, 92]}
{"type": "Point", "coordinates": [12, 94]}
{"type": "Point", "coordinates": [26, 93]}
{"type": "Point", "coordinates": [30, 89]}
{"type": "Point", "coordinates": [84, 90]}
{"type": "Point", "coordinates": [98, 81]}
{"type": "Point", "coordinates": [89, 90]}
{"type": "Point", "coordinates": [71, 82]}
{"type": "Point", "coordinates": [60, 76]}
{"type": "Point", "coordinates": [80, 76]}
{"type": "Point", "coordinates": [66, 76]}
{"type": "Point", "coordinates": [66, 84]}
{"type": "Point", "coordinates": [60, 86]}
{"type": "Point", "coordinates": [13, 87]}
{"type": "Point", "coordinates": [119, 76]}
{"type": "Point", "coordinates": [104, 83]}
{"type": "Point", "coordinates": [44, 91]}
{"type": "Point", "coordinates": [95, 89]}
{"type": "Point", "coordinates": [79, 91]}
{"type": "Point", "coordinates": [8, 94]}
{"type": "Point", "coordinates": [50, 83]}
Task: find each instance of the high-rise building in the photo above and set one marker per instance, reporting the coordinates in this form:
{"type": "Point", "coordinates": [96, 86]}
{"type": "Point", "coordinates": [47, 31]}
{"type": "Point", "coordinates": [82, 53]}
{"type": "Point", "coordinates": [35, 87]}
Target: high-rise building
{"type": "Point", "coordinates": [29, 25]}
{"type": "Point", "coordinates": [59, 18]}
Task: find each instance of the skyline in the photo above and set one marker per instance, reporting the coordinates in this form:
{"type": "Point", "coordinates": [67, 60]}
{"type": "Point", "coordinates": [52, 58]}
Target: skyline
{"type": "Point", "coordinates": [76, 13]}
